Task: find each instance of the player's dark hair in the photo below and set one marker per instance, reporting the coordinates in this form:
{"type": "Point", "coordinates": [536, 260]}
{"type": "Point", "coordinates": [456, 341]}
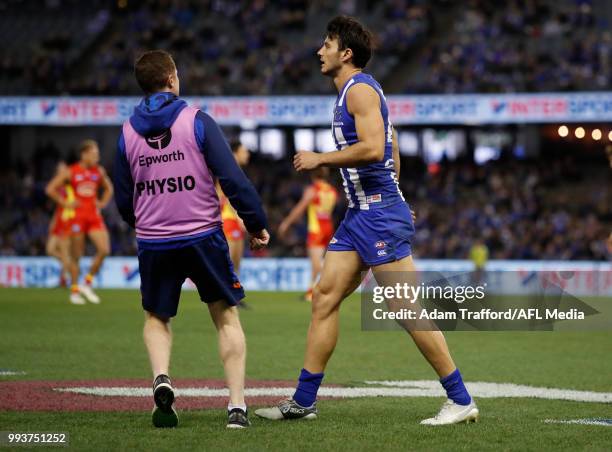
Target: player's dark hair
{"type": "Point", "coordinates": [152, 70]}
{"type": "Point", "coordinates": [351, 34]}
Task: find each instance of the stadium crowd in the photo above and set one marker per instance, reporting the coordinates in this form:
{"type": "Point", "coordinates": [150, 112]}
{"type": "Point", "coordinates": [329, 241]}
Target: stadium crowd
{"type": "Point", "coordinates": [521, 210]}
{"type": "Point", "coordinates": [227, 47]}
{"type": "Point", "coordinates": [519, 46]}
{"type": "Point", "coordinates": [259, 47]}
{"type": "Point", "coordinates": [221, 46]}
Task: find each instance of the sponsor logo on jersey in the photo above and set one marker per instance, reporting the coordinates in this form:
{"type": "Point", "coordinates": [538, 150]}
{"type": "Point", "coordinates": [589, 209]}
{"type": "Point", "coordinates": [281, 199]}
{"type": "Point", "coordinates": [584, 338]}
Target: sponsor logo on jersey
{"type": "Point", "coordinates": [159, 141]}
{"type": "Point", "coordinates": [87, 189]}
{"type": "Point", "coordinates": [380, 244]}
{"type": "Point", "coordinates": [175, 156]}
{"type": "Point", "coordinates": [382, 253]}
{"type": "Point", "coordinates": [337, 115]}
{"type": "Point", "coordinates": [374, 198]}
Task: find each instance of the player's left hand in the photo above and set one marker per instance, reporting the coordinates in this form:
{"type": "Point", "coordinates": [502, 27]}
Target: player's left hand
{"type": "Point", "coordinates": [413, 215]}
{"type": "Point", "coordinates": [259, 239]}
{"type": "Point", "coordinates": [306, 160]}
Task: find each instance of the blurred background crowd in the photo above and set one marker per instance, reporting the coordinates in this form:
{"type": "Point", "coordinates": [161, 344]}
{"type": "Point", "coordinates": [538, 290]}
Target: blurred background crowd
{"type": "Point", "coordinates": [543, 208]}
{"type": "Point", "coordinates": [262, 47]}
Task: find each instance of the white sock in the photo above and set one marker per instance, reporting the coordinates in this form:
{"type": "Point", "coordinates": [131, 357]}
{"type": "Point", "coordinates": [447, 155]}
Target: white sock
{"type": "Point", "coordinates": [231, 406]}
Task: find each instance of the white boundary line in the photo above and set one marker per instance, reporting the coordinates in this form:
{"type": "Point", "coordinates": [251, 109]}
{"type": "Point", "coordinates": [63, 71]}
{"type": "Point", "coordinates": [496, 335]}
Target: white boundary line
{"type": "Point", "coordinates": [416, 388]}
{"type": "Point", "coordinates": [602, 422]}
{"type": "Point", "coordinates": [6, 373]}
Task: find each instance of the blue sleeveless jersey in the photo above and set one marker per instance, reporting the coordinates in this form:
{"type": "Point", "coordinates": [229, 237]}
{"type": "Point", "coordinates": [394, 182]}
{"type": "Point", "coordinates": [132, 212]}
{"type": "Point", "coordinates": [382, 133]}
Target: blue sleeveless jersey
{"type": "Point", "coordinates": [373, 186]}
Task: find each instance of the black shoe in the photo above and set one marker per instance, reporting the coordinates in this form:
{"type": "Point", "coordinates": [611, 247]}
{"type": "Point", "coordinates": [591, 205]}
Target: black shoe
{"type": "Point", "coordinates": [288, 409]}
{"type": "Point", "coordinates": [237, 419]}
{"type": "Point", "coordinates": [164, 414]}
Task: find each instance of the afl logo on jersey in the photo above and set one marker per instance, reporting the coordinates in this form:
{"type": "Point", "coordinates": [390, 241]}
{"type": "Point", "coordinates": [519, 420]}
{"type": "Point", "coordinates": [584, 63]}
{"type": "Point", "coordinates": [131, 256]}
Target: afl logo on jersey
{"type": "Point", "coordinates": [160, 141]}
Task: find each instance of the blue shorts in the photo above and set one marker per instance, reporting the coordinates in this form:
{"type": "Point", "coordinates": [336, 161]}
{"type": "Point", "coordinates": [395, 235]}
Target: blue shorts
{"type": "Point", "coordinates": [378, 235]}
{"type": "Point", "coordinates": [205, 260]}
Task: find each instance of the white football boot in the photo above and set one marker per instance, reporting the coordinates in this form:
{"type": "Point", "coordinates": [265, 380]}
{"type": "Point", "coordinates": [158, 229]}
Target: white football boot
{"type": "Point", "coordinates": [452, 413]}
{"type": "Point", "coordinates": [76, 298]}
{"type": "Point", "coordinates": [89, 294]}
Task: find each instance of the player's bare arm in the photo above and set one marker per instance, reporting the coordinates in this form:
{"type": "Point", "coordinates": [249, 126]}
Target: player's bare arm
{"type": "Point", "coordinates": [52, 189]}
{"type": "Point", "coordinates": [364, 104]}
{"type": "Point", "coordinates": [297, 212]}
{"type": "Point", "coordinates": [107, 189]}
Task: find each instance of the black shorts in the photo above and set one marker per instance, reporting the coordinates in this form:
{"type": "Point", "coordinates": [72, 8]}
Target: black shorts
{"type": "Point", "coordinates": [206, 261]}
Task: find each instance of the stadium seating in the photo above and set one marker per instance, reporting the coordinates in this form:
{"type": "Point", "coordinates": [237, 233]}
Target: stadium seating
{"type": "Point", "coordinates": [39, 56]}
{"type": "Point", "coordinates": [519, 46]}
{"type": "Point", "coordinates": [231, 47]}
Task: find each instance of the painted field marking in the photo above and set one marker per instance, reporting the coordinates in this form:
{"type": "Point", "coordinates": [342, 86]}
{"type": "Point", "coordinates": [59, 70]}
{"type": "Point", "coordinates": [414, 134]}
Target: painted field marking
{"type": "Point", "coordinates": [8, 373]}
{"type": "Point", "coordinates": [406, 388]}
{"type": "Point", "coordinates": [497, 390]}
{"type": "Point", "coordinates": [591, 421]}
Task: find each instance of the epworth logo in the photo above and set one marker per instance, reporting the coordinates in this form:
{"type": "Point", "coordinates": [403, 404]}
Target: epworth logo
{"type": "Point", "coordinates": [160, 141]}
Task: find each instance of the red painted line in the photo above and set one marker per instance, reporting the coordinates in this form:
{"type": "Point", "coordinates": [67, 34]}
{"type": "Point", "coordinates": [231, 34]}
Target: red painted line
{"type": "Point", "coordinates": [40, 396]}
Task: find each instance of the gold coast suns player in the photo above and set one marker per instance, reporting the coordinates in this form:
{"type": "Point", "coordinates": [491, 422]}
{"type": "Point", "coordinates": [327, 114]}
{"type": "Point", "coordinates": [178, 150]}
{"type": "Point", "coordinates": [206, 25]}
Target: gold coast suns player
{"type": "Point", "coordinates": [319, 201]}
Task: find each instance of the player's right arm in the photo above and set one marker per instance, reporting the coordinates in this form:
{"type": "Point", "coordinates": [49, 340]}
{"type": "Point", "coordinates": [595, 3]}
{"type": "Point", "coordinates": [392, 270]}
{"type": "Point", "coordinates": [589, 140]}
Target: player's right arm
{"type": "Point", "coordinates": [297, 211]}
{"type": "Point", "coordinates": [363, 103]}
{"type": "Point", "coordinates": [235, 185]}
{"type": "Point", "coordinates": [53, 188]}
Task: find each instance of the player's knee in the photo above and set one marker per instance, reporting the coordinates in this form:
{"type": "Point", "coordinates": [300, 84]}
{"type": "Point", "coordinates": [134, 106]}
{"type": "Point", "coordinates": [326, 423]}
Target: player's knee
{"type": "Point", "coordinates": [153, 317]}
{"type": "Point", "coordinates": [323, 303]}
{"type": "Point", "coordinates": [104, 250]}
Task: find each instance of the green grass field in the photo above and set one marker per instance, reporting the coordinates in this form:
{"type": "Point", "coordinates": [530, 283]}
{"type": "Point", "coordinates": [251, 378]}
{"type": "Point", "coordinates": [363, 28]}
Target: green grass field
{"type": "Point", "coordinates": [44, 336]}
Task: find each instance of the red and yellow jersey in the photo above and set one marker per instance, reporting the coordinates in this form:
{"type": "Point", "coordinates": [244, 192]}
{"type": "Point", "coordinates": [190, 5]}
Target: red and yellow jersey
{"type": "Point", "coordinates": [63, 213]}
{"type": "Point", "coordinates": [85, 183]}
{"type": "Point", "coordinates": [321, 207]}
{"type": "Point", "coordinates": [60, 223]}
{"type": "Point", "coordinates": [232, 225]}
{"type": "Point", "coordinates": [227, 211]}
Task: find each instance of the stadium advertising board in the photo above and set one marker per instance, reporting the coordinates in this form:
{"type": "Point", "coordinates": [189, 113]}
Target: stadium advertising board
{"type": "Point", "coordinates": [293, 274]}
{"type": "Point", "coordinates": [316, 110]}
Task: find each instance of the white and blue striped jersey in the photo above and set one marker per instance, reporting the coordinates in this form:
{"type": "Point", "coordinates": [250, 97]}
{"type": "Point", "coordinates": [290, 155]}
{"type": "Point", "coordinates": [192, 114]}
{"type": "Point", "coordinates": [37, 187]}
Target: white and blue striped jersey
{"type": "Point", "coordinates": [372, 186]}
